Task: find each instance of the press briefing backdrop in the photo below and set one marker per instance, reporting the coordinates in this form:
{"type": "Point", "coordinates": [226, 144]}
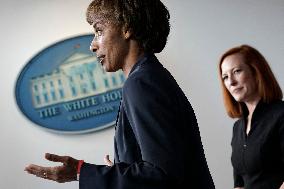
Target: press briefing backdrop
{"type": "Point", "coordinates": [201, 31]}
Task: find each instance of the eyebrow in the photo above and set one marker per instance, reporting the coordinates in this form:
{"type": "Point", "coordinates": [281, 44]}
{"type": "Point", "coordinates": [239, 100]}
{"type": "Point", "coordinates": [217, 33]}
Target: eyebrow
{"type": "Point", "coordinates": [225, 73]}
{"type": "Point", "coordinates": [222, 75]}
{"type": "Point", "coordinates": [96, 23]}
{"type": "Point", "coordinates": [236, 67]}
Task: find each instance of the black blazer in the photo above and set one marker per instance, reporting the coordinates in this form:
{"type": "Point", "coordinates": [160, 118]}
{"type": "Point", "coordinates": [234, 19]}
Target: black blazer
{"type": "Point", "coordinates": [258, 158]}
{"type": "Point", "coordinates": [157, 140]}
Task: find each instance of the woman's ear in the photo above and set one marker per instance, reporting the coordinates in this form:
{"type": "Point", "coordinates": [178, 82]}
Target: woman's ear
{"type": "Point", "coordinates": [127, 32]}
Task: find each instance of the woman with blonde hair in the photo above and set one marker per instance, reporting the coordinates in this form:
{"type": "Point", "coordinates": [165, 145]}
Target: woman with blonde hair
{"type": "Point", "coordinates": [252, 94]}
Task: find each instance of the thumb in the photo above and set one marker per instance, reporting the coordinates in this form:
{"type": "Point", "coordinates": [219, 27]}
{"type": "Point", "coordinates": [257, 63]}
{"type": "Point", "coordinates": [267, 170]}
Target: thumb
{"type": "Point", "coordinates": [107, 161]}
{"type": "Point", "coordinates": [55, 158]}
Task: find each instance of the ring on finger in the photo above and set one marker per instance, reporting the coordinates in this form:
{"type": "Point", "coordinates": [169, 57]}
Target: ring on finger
{"type": "Point", "coordinates": [44, 174]}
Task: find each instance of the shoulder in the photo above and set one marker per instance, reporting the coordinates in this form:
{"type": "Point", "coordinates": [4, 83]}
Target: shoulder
{"type": "Point", "coordinates": [142, 87]}
{"type": "Point", "coordinates": [150, 84]}
{"type": "Point", "coordinates": [238, 122]}
{"type": "Point", "coordinates": [138, 82]}
{"type": "Point", "coordinates": [237, 125]}
{"type": "Point", "coordinates": [278, 105]}
{"type": "Point", "coordinates": [149, 69]}
{"type": "Point", "coordinates": [277, 113]}
{"type": "Point", "coordinates": [151, 77]}
{"type": "Point", "coordinates": [237, 132]}
{"type": "Point", "coordinates": [273, 114]}
{"type": "Point", "coordinates": [276, 109]}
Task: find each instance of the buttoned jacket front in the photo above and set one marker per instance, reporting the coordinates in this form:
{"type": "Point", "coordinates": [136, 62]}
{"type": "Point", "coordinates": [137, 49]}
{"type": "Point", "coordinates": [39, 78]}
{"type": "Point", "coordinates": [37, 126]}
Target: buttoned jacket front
{"type": "Point", "coordinates": [258, 158]}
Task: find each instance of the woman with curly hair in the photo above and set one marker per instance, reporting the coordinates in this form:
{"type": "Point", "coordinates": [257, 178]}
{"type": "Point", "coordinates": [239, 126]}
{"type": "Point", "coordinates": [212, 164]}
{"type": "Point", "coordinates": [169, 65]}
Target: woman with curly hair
{"type": "Point", "coordinates": [157, 143]}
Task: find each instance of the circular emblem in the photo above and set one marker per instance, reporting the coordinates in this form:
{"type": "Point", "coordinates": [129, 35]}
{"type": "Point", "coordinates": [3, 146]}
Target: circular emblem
{"type": "Point", "coordinates": [64, 88]}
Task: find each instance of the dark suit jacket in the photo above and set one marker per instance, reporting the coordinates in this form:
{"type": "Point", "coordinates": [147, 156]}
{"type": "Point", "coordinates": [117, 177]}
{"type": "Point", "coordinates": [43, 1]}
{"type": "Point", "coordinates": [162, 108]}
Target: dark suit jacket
{"type": "Point", "coordinates": [258, 158]}
{"type": "Point", "coordinates": [157, 140]}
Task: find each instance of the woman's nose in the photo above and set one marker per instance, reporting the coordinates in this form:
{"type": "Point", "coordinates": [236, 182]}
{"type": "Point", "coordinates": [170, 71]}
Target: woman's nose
{"type": "Point", "coordinates": [232, 81]}
{"type": "Point", "coordinates": [93, 46]}
{"type": "Point", "coordinates": [92, 49]}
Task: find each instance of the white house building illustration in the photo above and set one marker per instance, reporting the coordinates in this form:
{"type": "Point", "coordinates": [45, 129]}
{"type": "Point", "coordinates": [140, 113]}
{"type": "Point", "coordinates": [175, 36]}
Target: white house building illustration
{"type": "Point", "coordinates": [79, 76]}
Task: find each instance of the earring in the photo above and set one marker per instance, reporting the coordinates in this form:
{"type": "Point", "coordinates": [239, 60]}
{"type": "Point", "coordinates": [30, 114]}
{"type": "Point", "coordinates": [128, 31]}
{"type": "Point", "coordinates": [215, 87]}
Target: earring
{"type": "Point", "coordinates": [127, 35]}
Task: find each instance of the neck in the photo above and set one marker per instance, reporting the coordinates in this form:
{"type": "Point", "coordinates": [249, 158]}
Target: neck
{"type": "Point", "coordinates": [251, 105]}
{"type": "Point", "coordinates": [135, 52]}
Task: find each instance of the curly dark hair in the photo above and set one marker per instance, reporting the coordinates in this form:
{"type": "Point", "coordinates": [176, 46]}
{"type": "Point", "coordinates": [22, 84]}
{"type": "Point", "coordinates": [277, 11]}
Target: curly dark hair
{"type": "Point", "coordinates": [147, 19]}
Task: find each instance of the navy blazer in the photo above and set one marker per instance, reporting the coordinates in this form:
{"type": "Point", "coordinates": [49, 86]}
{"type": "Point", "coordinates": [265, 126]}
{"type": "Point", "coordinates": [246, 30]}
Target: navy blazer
{"type": "Point", "coordinates": [157, 140]}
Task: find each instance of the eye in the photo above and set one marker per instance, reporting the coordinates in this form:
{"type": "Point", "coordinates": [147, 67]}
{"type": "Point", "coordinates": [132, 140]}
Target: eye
{"type": "Point", "coordinates": [225, 77]}
{"type": "Point", "coordinates": [98, 33]}
{"type": "Point", "coordinates": [237, 71]}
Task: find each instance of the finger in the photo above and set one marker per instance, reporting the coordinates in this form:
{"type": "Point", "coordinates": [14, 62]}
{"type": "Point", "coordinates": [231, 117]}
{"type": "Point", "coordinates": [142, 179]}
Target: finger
{"type": "Point", "coordinates": [49, 173]}
{"type": "Point", "coordinates": [37, 170]}
{"type": "Point", "coordinates": [107, 161]}
{"type": "Point", "coordinates": [55, 158]}
{"type": "Point", "coordinates": [33, 168]}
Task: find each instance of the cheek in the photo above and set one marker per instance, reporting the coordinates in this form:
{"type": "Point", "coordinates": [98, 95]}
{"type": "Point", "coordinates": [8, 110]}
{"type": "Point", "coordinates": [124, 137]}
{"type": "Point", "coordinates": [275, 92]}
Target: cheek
{"type": "Point", "coordinates": [249, 82]}
{"type": "Point", "coordinates": [253, 87]}
{"type": "Point", "coordinates": [226, 84]}
{"type": "Point", "coordinates": [100, 41]}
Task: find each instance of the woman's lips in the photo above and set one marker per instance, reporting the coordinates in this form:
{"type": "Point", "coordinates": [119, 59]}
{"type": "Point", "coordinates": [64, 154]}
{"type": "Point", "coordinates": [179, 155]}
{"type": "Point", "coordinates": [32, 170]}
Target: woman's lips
{"type": "Point", "coordinates": [237, 90]}
{"type": "Point", "coordinates": [101, 58]}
